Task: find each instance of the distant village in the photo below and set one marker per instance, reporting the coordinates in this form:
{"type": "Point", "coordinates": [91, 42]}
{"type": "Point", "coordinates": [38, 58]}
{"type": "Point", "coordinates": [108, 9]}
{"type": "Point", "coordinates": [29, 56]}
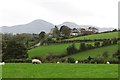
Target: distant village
{"type": "Point", "coordinates": [78, 31]}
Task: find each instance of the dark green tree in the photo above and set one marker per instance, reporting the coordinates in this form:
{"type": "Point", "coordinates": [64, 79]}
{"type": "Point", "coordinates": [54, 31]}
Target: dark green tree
{"type": "Point", "coordinates": [105, 55]}
{"type": "Point", "coordinates": [71, 49]}
{"type": "Point", "coordinates": [97, 44]}
{"type": "Point", "coordinates": [65, 31]}
{"type": "Point", "coordinates": [70, 60]}
{"type": "Point", "coordinates": [117, 55]}
{"type": "Point", "coordinates": [42, 35]}
{"type": "Point", "coordinates": [82, 47]}
{"type": "Point", "coordinates": [14, 50]}
{"type": "Point", "coordinates": [56, 32]}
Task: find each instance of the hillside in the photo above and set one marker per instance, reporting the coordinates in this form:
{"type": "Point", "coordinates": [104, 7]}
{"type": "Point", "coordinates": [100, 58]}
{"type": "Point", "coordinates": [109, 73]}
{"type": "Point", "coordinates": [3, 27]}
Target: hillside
{"type": "Point", "coordinates": [97, 36]}
{"type": "Point", "coordinates": [95, 52]}
{"type": "Point", "coordinates": [50, 49]}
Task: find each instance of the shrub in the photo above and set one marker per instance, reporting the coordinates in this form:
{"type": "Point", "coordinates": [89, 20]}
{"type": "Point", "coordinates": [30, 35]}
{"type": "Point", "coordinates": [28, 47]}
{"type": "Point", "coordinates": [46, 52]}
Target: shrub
{"type": "Point", "coordinates": [114, 61]}
{"type": "Point", "coordinates": [114, 41]}
{"type": "Point", "coordinates": [18, 61]}
{"type": "Point", "coordinates": [97, 44]}
{"type": "Point", "coordinates": [71, 49]}
{"type": "Point", "coordinates": [97, 60]}
{"type": "Point", "coordinates": [117, 55]}
{"type": "Point", "coordinates": [70, 60]}
{"type": "Point", "coordinates": [82, 47]}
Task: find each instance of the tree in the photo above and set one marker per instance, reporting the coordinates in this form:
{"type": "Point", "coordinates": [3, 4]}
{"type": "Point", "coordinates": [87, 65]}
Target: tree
{"type": "Point", "coordinates": [93, 29]}
{"type": "Point", "coordinates": [42, 35]}
{"type": "Point", "coordinates": [56, 32]}
{"type": "Point", "coordinates": [97, 44]}
{"type": "Point", "coordinates": [14, 50]}
{"type": "Point", "coordinates": [114, 30]}
{"type": "Point", "coordinates": [89, 58]}
{"type": "Point", "coordinates": [105, 56]}
{"type": "Point", "coordinates": [70, 60]}
{"type": "Point", "coordinates": [106, 42]}
{"type": "Point", "coordinates": [117, 55]}
{"type": "Point", "coordinates": [114, 41]}
{"type": "Point", "coordinates": [89, 46]}
{"type": "Point", "coordinates": [71, 49]}
{"type": "Point", "coordinates": [82, 29]}
{"type": "Point", "coordinates": [82, 47]}
{"type": "Point", "coordinates": [65, 31]}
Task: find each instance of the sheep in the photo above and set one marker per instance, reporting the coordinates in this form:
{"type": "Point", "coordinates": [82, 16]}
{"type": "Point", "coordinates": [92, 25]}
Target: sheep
{"type": "Point", "coordinates": [58, 62]}
{"type": "Point", "coordinates": [3, 63]}
{"type": "Point", "coordinates": [36, 61]}
{"type": "Point", "coordinates": [107, 62]}
{"type": "Point", "coordinates": [76, 62]}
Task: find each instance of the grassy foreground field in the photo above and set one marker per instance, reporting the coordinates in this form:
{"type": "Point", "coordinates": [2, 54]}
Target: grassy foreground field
{"type": "Point", "coordinates": [97, 36]}
{"type": "Point", "coordinates": [28, 70]}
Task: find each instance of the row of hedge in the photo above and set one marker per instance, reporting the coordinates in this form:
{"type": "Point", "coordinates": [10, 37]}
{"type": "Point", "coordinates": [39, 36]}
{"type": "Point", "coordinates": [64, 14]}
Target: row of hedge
{"type": "Point", "coordinates": [85, 40]}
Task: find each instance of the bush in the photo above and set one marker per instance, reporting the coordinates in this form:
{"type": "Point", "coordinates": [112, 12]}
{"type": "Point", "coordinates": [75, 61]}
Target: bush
{"type": "Point", "coordinates": [18, 61]}
{"type": "Point", "coordinates": [97, 60]}
{"type": "Point", "coordinates": [106, 42]}
{"type": "Point", "coordinates": [70, 60]}
{"type": "Point", "coordinates": [82, 47]}
{"type": "Point", "coordinates": [97, 44]}
{"type": "Point", "coordinates": [71, 49]}
{"type": "Point", "coordinates": [117, 55]}
{"type": "Point", "coordinates": [114, 41]}
{"type": "Point", "coordinates": [114, 61]}
{"type": "Point", "coordinates": [89, 46]}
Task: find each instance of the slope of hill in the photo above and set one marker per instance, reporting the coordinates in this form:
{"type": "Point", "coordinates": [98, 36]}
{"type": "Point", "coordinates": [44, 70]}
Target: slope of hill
{"type": "Point", "coordinates": [95, 52]}
{"type": "Point", "coordinates": [50, 49]}
{"type": "Point", "coordinates": [35, 26]}
{"type": "Point", "coordinates": [97, 36]}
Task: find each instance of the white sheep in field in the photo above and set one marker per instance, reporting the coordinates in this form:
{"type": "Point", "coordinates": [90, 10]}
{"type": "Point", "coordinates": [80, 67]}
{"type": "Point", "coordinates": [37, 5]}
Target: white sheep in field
{"type": "Point", "coordinates": [58, 62]}
{"type": "Point", "coordinates": [76, 62]}
{"type": "Point", "coordinates": [36, 61]}
{"type": "Point", "coordinates": [107, 62]}
{"type": "Point", "coordinates": [3, 63]}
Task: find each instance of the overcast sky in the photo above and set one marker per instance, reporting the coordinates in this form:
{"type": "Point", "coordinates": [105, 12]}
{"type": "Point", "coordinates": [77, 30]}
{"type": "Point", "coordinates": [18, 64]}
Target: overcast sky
{"type": "Point", "coordinates": [100, 13]}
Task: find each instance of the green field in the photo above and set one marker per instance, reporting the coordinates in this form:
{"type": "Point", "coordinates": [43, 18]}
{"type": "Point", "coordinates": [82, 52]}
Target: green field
{"type": "Point", "coordinates": [50, 49]}
{"type": "Point", "coordinates": [29, 70]}
{"type": "Point", "coordinates": [97, 36]}
{"type": "Point", "coordinates": [95, 52]}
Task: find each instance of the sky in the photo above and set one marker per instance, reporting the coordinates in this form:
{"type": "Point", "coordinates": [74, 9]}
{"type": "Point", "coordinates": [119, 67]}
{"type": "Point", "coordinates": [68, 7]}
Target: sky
{"type": "Point", "coordinates": [100, 13]}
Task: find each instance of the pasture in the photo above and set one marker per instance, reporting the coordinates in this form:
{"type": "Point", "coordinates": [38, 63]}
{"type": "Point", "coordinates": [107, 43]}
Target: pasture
{"type": "Point", "coordinates": [49, 70]}
{"type": "Point", "coordinates": [50, 49]}
{"type": "Point", "coordinates": [97, 36]}
{"type": "Point", "coordinates": [56, 49]}
{"type": "Point", "coordinates": [95, 52]}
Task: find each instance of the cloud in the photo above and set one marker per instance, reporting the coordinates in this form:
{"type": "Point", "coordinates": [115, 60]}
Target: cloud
{"type": "Point", "coordinates": [96, 12]}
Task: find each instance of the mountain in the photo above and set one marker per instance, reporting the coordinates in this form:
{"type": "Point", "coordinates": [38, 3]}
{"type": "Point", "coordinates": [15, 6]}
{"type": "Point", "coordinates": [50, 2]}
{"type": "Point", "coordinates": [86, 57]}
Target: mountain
{"type": "Point", "coordinates": [39, 25]}
{"type": "Point", "coordinates": [105, 29]}
{"type": "Point", "coordinates": [35, 26]}
{"type": "Point", "coordinates": [69, 24]}
{"type": "Point", "coordinates": [74, 25]}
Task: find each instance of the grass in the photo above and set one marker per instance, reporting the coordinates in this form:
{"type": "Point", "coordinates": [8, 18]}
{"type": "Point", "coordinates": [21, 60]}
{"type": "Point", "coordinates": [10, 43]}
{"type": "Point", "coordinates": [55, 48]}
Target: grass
{"type": "Point", "coordinates": [95, 52]}
{"type": "Point", "coordinates": [97, 36]}
{"type": "Point", "coordinates": [50, 49]}
{"type": "Point", "coordinates": [56, 49]}
{"type": "Point", "coordinates": [28, 70]}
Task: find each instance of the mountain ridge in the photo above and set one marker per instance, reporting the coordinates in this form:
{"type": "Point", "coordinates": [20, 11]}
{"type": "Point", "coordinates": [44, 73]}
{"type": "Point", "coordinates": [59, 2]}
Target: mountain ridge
{"type": "Point", "coordinates": [39, 25]}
